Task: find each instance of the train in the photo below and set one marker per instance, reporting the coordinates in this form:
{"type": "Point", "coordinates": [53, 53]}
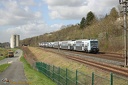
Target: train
{"type": "Point", "coordinates": [85, 45]}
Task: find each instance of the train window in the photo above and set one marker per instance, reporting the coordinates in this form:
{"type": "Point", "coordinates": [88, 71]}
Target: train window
{"type": "Point", "coordinates": [94, 43]}
{"type": "Point", "coordinates": [82, 45]}
{"type": "Point", "coordinates": [77, 44]}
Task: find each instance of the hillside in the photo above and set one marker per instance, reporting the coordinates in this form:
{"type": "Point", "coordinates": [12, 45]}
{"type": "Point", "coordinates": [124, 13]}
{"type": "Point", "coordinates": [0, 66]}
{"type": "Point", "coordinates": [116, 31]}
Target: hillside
{"type": "Point", "coordinates": [107, 30]}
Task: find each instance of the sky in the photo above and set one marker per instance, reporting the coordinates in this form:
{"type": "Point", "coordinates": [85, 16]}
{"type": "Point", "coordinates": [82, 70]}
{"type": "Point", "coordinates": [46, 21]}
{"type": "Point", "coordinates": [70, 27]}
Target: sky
{"type": "Point", "coordinates": [30, 18]}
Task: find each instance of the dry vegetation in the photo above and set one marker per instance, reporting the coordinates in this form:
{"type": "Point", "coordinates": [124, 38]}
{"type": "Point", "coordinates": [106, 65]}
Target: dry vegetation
{"type": "Point", "coordinates": [3, 53]}
{"type": "Point", "coordinates": [59, 61]}
{"type": "Point", "coordinates": [107, 30]}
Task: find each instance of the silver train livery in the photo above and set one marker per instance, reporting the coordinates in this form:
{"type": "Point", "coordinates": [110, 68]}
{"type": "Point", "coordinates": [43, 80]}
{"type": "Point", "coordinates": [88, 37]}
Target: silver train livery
{"type": "Point", "coordinates": [85, 45]}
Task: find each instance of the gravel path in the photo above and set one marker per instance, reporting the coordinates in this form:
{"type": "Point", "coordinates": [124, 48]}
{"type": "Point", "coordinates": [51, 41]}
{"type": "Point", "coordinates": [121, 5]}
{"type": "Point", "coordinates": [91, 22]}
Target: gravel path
{"type": "Point", "coordinates": [14, 74]}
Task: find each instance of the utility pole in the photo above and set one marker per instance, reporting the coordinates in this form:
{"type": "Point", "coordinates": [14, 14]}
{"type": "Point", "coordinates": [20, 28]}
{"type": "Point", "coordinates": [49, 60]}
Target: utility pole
{"type": "Point", "coordinates": [58, 42]}
{"type": "Point", "coordinates": [124, 4]}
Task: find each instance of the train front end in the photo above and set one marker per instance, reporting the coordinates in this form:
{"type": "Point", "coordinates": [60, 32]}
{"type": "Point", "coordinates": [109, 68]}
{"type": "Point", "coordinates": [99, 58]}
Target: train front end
{"type": "Point", "coordinates": [94, 46]}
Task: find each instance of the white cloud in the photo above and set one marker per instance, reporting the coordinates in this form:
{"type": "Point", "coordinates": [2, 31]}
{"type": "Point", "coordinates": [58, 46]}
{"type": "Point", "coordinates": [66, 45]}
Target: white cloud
{"type": "Point", "coordinates": [69, 3]}
{"type": "Point", "coordinates": [29, 30]}
{"type": "Point", "coordinates": [18, 17]}
{"type": "Point", "coordinates": [17, 12]}
{"type": "Point", "coordinates": [26, 8]}
{"type": "Point", "coordinates": [37, 14]}
{"type": "Point", "coordinates": [102, 7]}
{"type": "Point", "coordinates": [24, 18]}
{"type": "Point", "coordinates": [76, 9]}
{"type": "Point", "coordinates": [68, 13]}
{"type": "Point", "coordinates": [27, 2]}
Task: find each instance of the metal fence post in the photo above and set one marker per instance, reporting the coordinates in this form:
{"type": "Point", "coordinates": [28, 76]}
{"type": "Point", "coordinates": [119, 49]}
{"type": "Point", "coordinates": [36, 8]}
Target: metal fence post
{"type": "Point", "coordinates": [111, 79]}
{"type": "Point", "coordinates": [49, 71]}
{"type": "Point", "coordinates": [53, 73]}
{"type": "Point", "coordinates": [59, 76]}
{"type": "Point", "coordinates": [46, 69]}
{"type": "Point", "coordinates": [66, 76]}
{"type": "Point", "coordinates": [38, 66]}
{"type": "Point", "coordinates": [76, 77]}
{"type": "Point", "coordinates": [92, 78]}
{"type": "Point", "coordinates": [42, 67]}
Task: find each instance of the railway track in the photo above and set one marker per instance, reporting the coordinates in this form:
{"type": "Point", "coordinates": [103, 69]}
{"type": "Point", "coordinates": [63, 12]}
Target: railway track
{"type": "Point", "coordinates": [102, 55]}
{"type": "Point", "coordinates": [114, 56]}
{"type": "Point", "coordinates": [108, 56]}
{"type": "Point", "coordinates": [107, 67]}
{"type": "Point", "coordinates": [103, 66]}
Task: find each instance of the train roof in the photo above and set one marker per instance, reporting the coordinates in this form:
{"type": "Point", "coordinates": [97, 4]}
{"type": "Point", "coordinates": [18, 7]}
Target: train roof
{"type": "Point", "coordinates": [87, 40]}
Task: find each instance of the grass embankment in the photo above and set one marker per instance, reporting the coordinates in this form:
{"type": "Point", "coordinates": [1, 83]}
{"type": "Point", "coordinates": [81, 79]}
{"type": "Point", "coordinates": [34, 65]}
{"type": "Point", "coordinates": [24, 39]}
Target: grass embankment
{"type": "Point", "coordinates": [59, 61]}
{"type": "Point", "coordinates": [101, 77]}
{"type": "Point", "coordinates": [3, 67]}
{"type": "Point", "coordinates": [35, 77]}
{"type": "Point", "coordinates": [3, 53]}
{"type": "Point", "coordinates": [1, 57]}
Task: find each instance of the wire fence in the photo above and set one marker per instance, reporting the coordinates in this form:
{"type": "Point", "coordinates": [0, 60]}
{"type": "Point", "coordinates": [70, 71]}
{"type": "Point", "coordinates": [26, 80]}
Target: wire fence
{"type": "Point", "coordinates": [68, 77]}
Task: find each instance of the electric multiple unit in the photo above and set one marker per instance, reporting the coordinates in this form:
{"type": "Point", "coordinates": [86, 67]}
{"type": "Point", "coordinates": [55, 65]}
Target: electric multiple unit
{"type": "Point", "coordinates": [86, 45]}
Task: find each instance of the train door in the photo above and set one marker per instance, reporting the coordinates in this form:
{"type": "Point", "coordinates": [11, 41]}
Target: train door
{"type": "Point", "coordinates": [82, 46]}
{"type": "Point", "coordinates": [86, 45]}
{"type": "Point", "coordinates": [89, 46]}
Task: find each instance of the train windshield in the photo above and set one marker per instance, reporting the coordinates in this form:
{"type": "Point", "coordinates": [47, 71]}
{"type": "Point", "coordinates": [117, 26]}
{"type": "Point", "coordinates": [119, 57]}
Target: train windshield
{"type": "Point", "coordinates": [94, 43]}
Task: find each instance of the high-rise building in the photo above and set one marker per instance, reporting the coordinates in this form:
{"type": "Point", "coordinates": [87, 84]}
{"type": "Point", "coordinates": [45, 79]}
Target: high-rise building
{"type": "Point", "coordinates": [14, 41]}
{"type": "Point", "coordinates": [17, 40]}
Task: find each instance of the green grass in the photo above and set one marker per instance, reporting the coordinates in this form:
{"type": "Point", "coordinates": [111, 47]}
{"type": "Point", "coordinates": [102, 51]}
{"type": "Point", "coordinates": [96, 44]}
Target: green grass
{"type": "Point", "coordinates": [3, 52]}
{"type": "Point", "coordinates": [3, 67]}
{"type": "Point", "coordinates": [1, 57]}
{"type": "Point", "coordinates": [14, 49]}
{"type": "Point", "coordinates": [34, 77]}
